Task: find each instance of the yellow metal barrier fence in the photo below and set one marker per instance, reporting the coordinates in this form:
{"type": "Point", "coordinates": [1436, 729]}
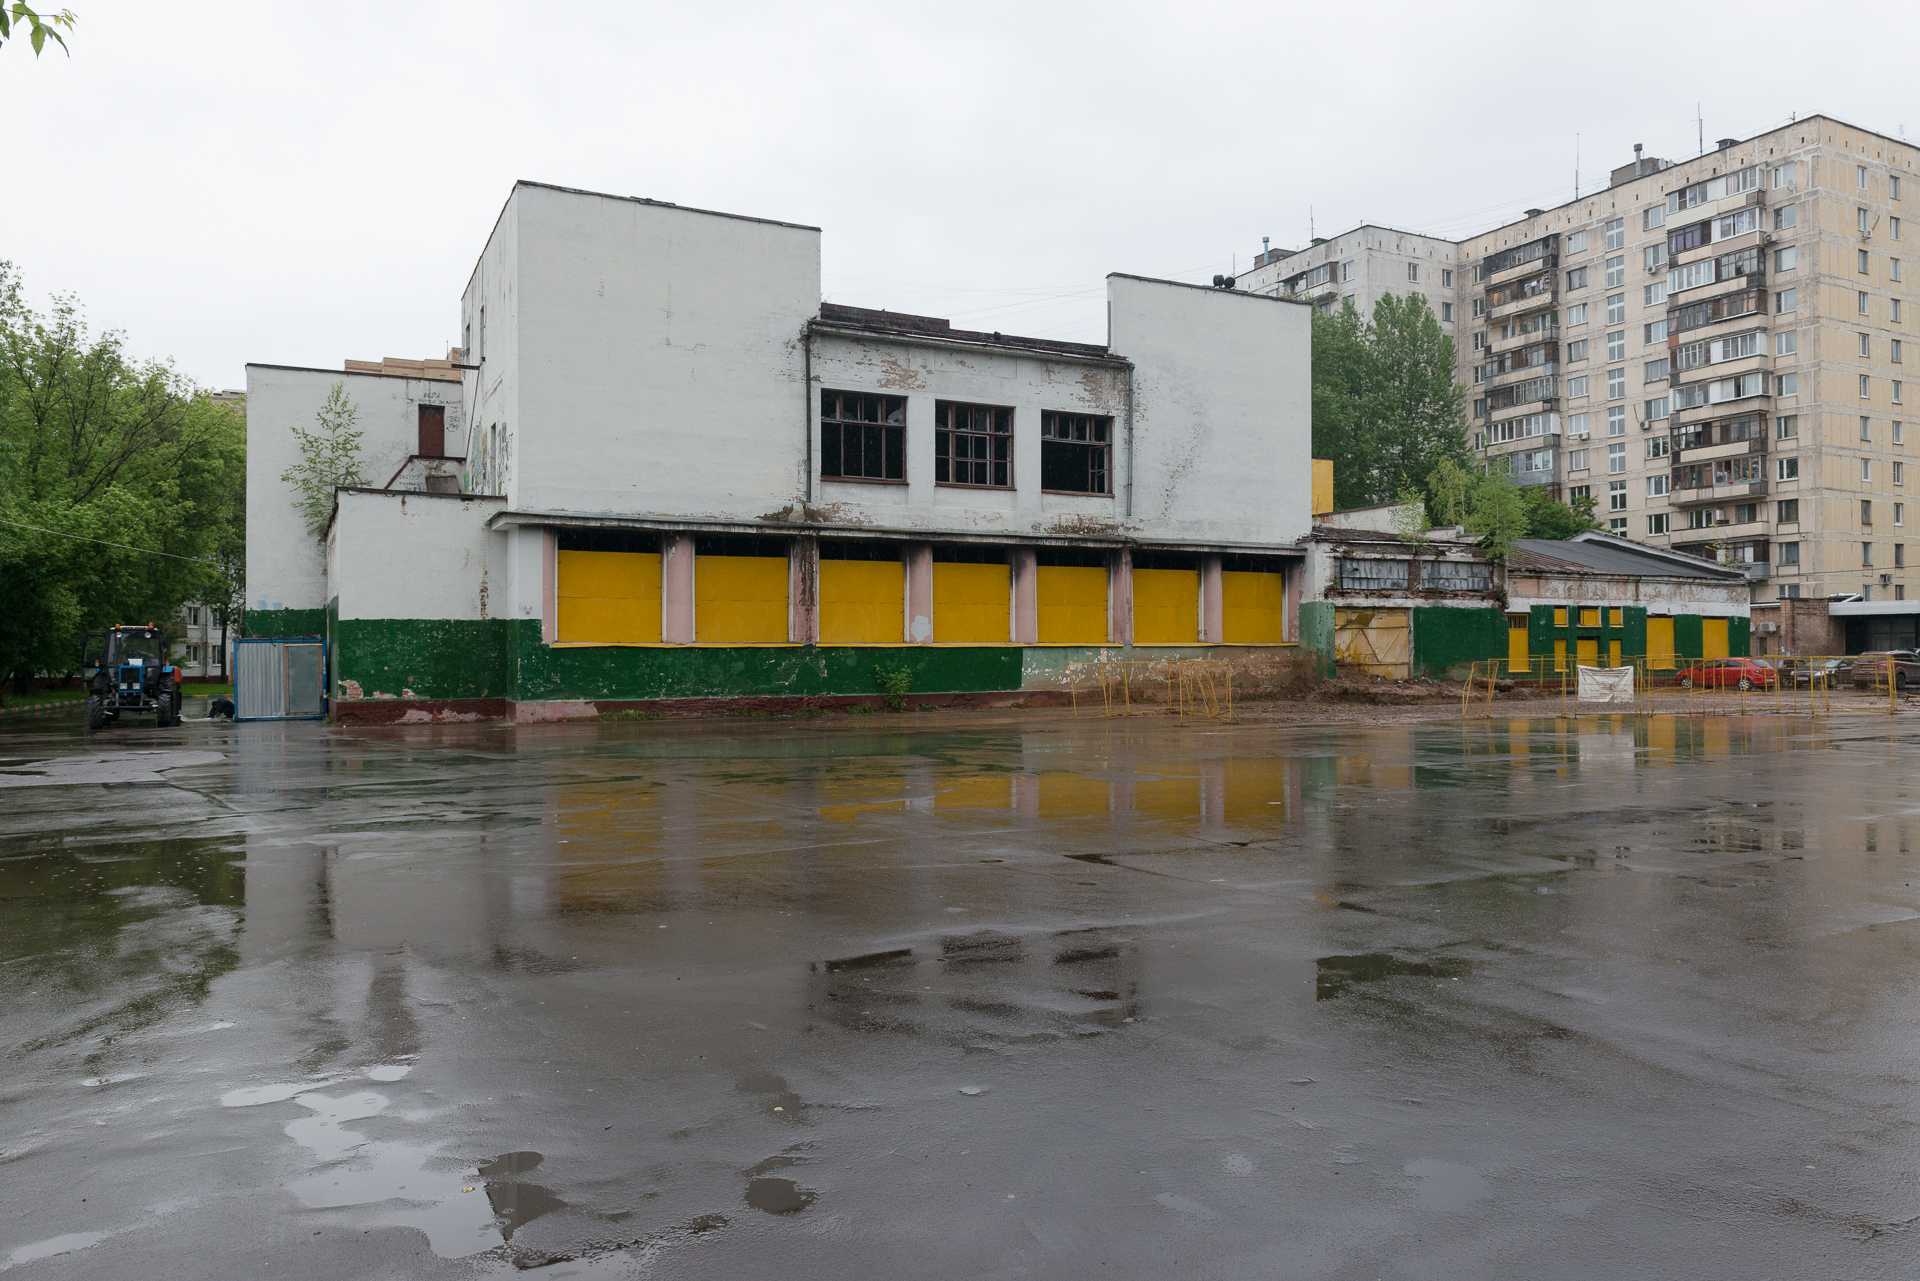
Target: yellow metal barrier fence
{"type": "Point", "coordinates": [1787, 685]}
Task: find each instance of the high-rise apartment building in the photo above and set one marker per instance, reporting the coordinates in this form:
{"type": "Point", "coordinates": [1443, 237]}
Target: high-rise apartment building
{"type": "Point", "coordinates": [1714, 350]}
{"type": "Point", "coordinates": [1361, 267]}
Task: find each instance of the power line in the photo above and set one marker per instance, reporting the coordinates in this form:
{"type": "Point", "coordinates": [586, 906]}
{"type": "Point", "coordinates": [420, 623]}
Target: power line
{"type": "Point", "coordinates": [125, 547]}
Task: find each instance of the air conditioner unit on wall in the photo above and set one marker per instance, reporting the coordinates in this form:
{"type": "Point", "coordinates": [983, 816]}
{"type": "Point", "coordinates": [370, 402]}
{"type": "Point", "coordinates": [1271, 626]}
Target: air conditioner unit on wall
{"type": "Point", "coordinates": [1886, 580]}
{"type": "Point", "coordinates": [1766, 628]}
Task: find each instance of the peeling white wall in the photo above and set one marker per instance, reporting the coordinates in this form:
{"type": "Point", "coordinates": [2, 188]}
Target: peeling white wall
{"type": "Point", "coordinates": [1712, 598]}
{"type": "Point", "coordinates": [654, 352]}
{"type": "Point", "coordinates": [1222, 411]}
{"type": "Point", "coordinates": [1029, 384]}
{"type": "Point", "coordinates": [286, 564]}
{"type": "Point", "coordinates": [401, 555]}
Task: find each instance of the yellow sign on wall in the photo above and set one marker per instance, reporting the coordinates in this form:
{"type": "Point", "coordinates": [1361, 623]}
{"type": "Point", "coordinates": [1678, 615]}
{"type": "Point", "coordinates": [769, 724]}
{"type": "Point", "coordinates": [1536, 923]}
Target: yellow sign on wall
{"type": "Point", "coordinates": [971, 604]}
{"type": "Point", "coordinates": [1166, 606]}
{"type": "Point", "coordinates": [862, 602]}
{"type": "Point", "coordinates": [608, 598]}
{"type": "Point", "coordinates": [740, 600]}
{"type": "Point", "coordinates": [1072, 604]}
{"type": "Point", "coordinates": [1253, 608]}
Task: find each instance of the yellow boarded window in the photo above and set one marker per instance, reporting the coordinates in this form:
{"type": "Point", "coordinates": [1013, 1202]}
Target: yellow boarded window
{"type": "Point", "coordinates": [1166, 606]}
{"type": "Point", "coordinates": [739, 600]}
{"type": "Point", "coordinates": [971, 603]}
{"type": "Point", "coordinates": [1072, 604]}
{"type": "Point", "coordinates": [1713, 638]}
{"type": "Point", "coordinates": [1613, 653]}
{"type": "Point", "coordinates": [1517, 657]}
{"type": "Point", "coordinates": [1559, 615]}
{"type": "Point", "coordinates": [1559, 655]}
{"type": "Point", "coordinates": [609, 598]}
{"type": "Point", "coordinates": [1589, 618]}
{"type": "Point", "coordinates": [1253, 608]}
{"type": "Point", "coordinates": [862, 602]}
{"type": "Point", "coordinates": [1616, 618]}
{"type": "Point", "coordinates": [1660, 643]}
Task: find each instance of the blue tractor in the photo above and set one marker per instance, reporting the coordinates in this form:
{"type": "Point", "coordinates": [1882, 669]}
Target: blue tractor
{"type": "Point", "coordinates": [126, 671]}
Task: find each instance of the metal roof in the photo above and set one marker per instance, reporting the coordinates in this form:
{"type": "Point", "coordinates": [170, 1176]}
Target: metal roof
{"type": "Point", "coordinates": [1611, 558]}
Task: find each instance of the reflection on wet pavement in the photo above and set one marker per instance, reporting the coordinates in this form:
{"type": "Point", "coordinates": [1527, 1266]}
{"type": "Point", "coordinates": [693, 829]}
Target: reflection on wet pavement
{"type": "Point", "coordinates": [952, 996]}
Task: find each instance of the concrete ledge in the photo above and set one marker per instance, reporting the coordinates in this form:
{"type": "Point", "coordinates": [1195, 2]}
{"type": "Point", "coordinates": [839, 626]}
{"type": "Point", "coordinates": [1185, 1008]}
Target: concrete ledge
{"type": "Point", "coordinates": [556, 710]}
{"type": "Point", "coordinates": [395, 711]}
{"type": "Point", "coordinates": [455, 711]}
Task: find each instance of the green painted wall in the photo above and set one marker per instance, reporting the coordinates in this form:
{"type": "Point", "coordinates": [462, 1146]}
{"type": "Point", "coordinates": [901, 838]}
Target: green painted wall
{"type": "Point", "coordinates": [1687, 642]}
{"type": "Point", "coordinates": [433, 657]}
{"type": "Point", "coordinates": [286, 622]}
{"type": "Point", "coordinates": [1447, 640]}
{"type": "Point", "coordinates": [1740, 637]}
{"type": "Point", "coordinates": [612, 672]}
{"type": "Point", "coordinates": [1632, 633]}
{"type": "Point", "coordinates": [1316, 633]}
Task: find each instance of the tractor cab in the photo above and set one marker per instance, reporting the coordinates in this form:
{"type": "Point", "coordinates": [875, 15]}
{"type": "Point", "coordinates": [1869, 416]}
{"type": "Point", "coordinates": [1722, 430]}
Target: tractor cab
{"type": "Point", "coordinates": [126, 670]}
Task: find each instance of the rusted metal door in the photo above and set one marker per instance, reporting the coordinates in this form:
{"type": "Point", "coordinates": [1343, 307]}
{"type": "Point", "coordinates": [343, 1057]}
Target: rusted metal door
{"type": "Point", "coordinates": [433, 431]}
{"type": "Point", "coordinates": [1378, 642]}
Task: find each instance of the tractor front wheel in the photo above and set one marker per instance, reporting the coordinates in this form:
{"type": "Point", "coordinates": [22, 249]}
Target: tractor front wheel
{"type": "Point", "coordinates": [96, 711]}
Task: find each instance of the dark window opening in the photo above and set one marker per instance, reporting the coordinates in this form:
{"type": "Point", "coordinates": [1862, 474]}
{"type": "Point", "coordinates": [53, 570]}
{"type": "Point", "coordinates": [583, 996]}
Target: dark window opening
{"type": "Point", "coordinates": [1244, 563]}
{"type": "Point", "coordinates": [1075, 453]}
{"type": "Point", "coordinates": [433, 431]}
{"type": "Point", "coordinates": [738, 545]}
{"type": "Point", "coordinates": [858, 549]}
{"type": "Point", "coordinates": [609, 540]}
{"type": "Point", "coordinates": [1165, 560]}
{"type": "Point", "coordinates": [966, 554]}
{"type": "Point", "coordinates": [1083, 557]}
{"type": "Point", "coordinates": [863, 437]}
{"type": "Point", "coordinates": [973, 445]}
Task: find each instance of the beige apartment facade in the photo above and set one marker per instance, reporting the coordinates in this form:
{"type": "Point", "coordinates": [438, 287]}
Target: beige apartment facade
{"type": "Point", "coordinates": [1715, 350]}
{"type": "Point", "coordinates": [1360, 267]}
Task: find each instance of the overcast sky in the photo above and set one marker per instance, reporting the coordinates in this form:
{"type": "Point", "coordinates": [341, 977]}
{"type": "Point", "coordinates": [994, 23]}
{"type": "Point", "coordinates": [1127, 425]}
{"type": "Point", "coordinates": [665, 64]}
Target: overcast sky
{"type": "Point", "coordinates": [303, 183]}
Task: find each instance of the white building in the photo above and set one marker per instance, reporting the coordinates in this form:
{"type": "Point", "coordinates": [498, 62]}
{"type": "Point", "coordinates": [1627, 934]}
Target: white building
{"type": "Point", "coordinates": [1360, 267]}
{"type": "Point", "coordinates": [681, 476]}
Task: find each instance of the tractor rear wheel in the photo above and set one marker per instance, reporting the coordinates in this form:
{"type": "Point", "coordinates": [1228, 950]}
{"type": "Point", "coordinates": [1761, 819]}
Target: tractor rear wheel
{"type": "Point", "coordinates": [167, 714]}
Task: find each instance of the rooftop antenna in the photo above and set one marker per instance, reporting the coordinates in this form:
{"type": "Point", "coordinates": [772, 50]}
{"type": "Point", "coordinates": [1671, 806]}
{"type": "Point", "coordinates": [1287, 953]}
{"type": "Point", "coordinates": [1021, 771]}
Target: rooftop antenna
{"type": "Point", "coordinates": [1309, 222]}
{"type": "Point", "coordinates": [1576, 166]}
{"type": "Point", "coordinates": [1701, 120]}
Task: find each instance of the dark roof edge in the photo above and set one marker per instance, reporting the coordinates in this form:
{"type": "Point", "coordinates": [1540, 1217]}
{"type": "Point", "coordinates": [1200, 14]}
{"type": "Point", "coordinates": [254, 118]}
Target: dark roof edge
{"type": "Point", "coordinates": [911, 337]}
{"type": "Point", "coordinates": [356, 373]}
{"type": "Point", "coordinates": [1209, 289]}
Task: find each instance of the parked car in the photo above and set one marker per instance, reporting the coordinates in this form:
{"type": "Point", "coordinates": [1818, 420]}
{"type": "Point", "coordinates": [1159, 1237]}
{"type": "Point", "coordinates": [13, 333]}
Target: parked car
{"type": "Point", "coordinates": [1870, 670]}
{"type": "Point", "coordinates": [1715, 673]}
{"type": "Point", "coordinates": [1818, 672]}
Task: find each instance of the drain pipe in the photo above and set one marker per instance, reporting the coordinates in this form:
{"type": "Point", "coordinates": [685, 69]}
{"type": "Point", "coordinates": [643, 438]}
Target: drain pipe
{"type": "Point", "coordinates": [1129, 503]}
{"type": "Point", "coordinates": [806, 347]}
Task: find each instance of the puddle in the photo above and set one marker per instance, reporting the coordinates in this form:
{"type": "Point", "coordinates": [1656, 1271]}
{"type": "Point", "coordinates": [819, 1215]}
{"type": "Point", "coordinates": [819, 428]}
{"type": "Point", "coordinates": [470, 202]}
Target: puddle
{"type": "Point", "coordinates": [778, 1196]}
{"type": "Point", "coordinates": [1446, 1187]}
{"type": "Point", "coordinates": [1335, 974]}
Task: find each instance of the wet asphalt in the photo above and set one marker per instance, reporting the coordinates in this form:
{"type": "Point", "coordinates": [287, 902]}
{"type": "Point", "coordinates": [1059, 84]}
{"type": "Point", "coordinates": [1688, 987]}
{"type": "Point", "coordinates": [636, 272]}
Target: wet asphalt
{"type": "Point", "coordinates": [959, 995]}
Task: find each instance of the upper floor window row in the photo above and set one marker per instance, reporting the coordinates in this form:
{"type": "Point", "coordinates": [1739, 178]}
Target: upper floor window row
{"type": "Point", "coordinates": [863, 437]}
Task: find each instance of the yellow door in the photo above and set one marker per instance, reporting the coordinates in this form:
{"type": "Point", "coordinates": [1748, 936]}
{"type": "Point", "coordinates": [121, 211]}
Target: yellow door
{"type": "Point", "coordinates": [1713, 638]}
{"type": "Point", "coordinates": [862, 602]}
{"type": "Point", "coordinates": [970, 603]}
{"type": "Point", "coordinates": [1517, 657]}
{"type": "Point", "coordinates": [1613, 653]}
{"type": "Point", "coordinates": [609, 598]}
{"type": "Point", "coordinates": [739, 600]}
{"type": "Point", "coordinates": [1073, 604]}
{"type": "Point", "coordinates": [1660, 643]}
{"type": "Point", "coordinates": [1588, 654]}
{"type": "Point", "coordinates": [1166, 606]}
{"type": "Point", "coordinates": [1559, 655]}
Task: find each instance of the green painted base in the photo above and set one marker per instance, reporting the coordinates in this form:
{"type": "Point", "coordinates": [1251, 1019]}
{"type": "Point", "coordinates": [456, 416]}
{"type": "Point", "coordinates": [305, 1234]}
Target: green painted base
{"type": "Point", "coordinates": [286, 622]}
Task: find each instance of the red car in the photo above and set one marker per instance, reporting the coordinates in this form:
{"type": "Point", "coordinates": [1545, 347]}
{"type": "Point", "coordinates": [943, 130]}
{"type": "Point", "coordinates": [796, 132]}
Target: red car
{"type": "Point", "coordinates": [1742, 673]}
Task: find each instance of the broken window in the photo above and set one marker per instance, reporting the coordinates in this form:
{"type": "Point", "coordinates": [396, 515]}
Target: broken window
{"type": "Point", "coordinates": [1456, 576]}
{"type": "Point", "coordinates": [1373, 575]}
{"type": "Point", "coordinates": [863, 437]}
{"type": "Point", "coordinates": [1075, 453]}
{"type": "Point", "coordinates": [973, 445]}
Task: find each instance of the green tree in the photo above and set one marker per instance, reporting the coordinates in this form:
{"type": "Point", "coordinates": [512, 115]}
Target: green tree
{"type": "Point", "coordinates": [116, 484]}
{"type": "Point", "coordinates": [1549, 519]}
{"type": "Point", "coordinates": [329, 457]}
{"type": "Point", "coordinates": [40, 29]}
{"type": "Point", "coordinates": [1386, 408]}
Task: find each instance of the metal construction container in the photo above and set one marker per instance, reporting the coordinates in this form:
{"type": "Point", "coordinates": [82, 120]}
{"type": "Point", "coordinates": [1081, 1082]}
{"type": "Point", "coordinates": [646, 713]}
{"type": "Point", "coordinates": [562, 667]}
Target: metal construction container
{"type": "Point", "coordinates": [279, 678]}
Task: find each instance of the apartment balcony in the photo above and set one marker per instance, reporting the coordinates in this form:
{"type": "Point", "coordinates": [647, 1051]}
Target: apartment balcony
{"type": "Point", "coordinates": [1726, 449]}
{"type": "Point", "coordinates": [1526, 306]}
{"type": "Point", "coordinates": [1494, 381]}
{"type": "Point", "coordinates": [1755, 279]}
{"type": "Point", "coordinates": [1719, 248]}
{"type": "Point", "coordinates": [1745, 492]}
{"type": "Point", "coordinates": [1760, 361]}
{"type": "Point", "coordinates": [1550, 262]}
{"type": "Point", "coordinates": [1545, 333]}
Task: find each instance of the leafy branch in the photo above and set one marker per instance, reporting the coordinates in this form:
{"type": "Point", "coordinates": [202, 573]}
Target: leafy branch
{"type": "Point", "coordinates": [40, 28]}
